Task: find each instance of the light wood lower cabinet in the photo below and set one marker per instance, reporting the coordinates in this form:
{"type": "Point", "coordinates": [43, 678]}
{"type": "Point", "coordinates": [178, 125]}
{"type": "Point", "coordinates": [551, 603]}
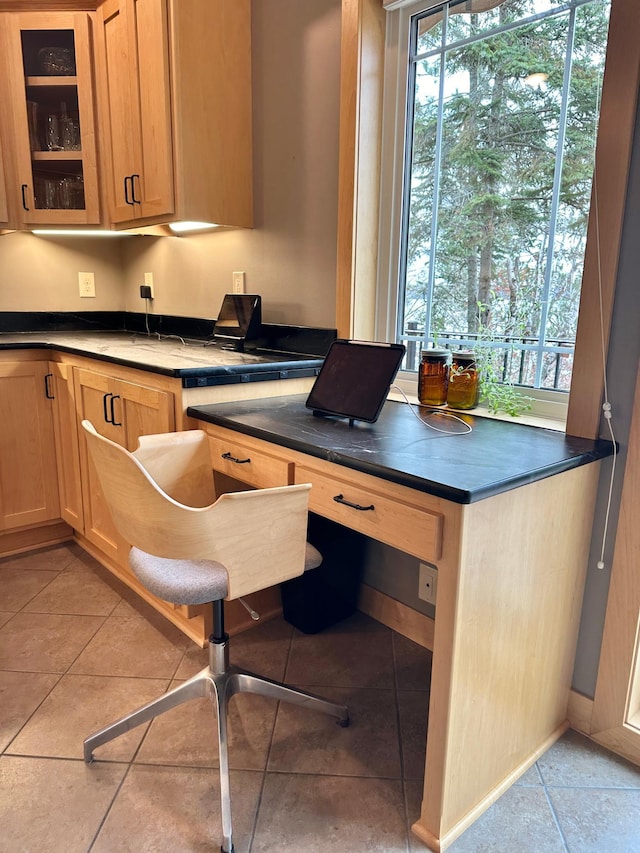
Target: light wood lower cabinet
{"type": "Point", "coordinates": [122, 411]}
{"type": "Point", "coordinates": [61, 387]}
{"type": "Point", "coordinates": [237, 457]}
{"type": "Point", "coordinates": [28, 473]}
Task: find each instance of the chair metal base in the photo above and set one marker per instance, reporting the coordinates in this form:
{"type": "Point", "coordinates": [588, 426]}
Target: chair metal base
{"type": "Point", "coordinates": [219, 681]}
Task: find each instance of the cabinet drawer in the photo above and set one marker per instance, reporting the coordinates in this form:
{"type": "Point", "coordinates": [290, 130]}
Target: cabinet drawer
{"type": "Point", "coordinates": [245, 463]}
{"type": "Point", "coordinates": [402, 525]}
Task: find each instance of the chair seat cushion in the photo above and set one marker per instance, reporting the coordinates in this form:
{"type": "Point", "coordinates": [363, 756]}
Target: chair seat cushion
{"type": "Point", "coordinates": [192, 581]}
{"type": "Point", "coordinates": [180, 581]}
{"type": "Point", "coordinates": [312, 558]}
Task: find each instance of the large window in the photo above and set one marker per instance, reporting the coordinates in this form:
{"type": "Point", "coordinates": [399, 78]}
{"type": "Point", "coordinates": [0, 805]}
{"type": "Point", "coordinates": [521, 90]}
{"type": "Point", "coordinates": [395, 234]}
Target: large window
{"type": "Point", "coordinates": [496, 132]}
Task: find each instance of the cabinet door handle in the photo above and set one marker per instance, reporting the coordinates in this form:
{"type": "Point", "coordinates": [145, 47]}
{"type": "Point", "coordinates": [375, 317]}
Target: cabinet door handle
{"type": "Point", "coordinates": [126, 189]}
{"type": "Point", "coordinates": [47, 388]}
{"type": "Point", "coordinates": [339, 499]}
{"type": "Point", "coordinates": [233, 459]}
{"type": "Point", "coordinates": [134, 200]}
{"type": "Point", "coordinates": [23, 189]}
{"type": "Point", "coordinates": [114, 397]}
{"type": "Point", "coordinates": [104, 407]}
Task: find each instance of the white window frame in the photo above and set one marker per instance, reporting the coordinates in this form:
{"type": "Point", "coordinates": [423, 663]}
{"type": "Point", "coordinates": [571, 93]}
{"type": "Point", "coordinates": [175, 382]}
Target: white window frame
{"type": "Point", "coordinates": [551, 404]}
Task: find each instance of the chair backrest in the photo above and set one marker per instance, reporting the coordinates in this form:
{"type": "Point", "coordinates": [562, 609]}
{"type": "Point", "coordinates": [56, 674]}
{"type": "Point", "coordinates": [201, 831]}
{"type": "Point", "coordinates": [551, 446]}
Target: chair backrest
{"type": "Point", "coordinates": [258, 535]}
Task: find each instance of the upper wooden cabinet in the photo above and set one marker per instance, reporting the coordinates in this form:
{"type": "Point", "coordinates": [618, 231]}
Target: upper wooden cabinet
{"type": "Point", "coordinates": [48, 96]}
{"type": "Point", "coordinates": [174, 81]}
{"type": "Point", "coordinates": [4, 210]}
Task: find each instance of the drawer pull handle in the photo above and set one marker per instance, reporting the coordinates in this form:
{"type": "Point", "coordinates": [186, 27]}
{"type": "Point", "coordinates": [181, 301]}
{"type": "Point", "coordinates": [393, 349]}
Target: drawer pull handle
{"type": "Point", "coordinates": [47, 387]}
{"type": "Point", "coordinates": [113, 420]}
{"type": "Point", "coordinates": [134, 200]}
{"type": "Point", "coordinates": [126, 189]}
{"type": "Point", "coordinates": [339, 499]}
{"type": "Point", "coordinates": [233, 459]}
{"type": "Point", "coordinates": [105, 397]}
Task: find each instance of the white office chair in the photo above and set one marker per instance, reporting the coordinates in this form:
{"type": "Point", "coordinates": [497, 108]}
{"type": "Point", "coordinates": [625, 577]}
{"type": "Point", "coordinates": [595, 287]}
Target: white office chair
{"type": "Point", "coordinates": [188, 548]}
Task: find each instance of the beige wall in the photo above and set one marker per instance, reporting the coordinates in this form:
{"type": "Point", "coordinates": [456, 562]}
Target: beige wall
{"type": "Point", "coordinates": [41, 273]}
{"type": "Point", "coordinates": [289, 256]}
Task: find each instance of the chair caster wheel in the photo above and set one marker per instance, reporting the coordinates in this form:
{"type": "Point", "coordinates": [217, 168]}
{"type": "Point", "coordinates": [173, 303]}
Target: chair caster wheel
{"type": "Point", "coordinates": [222, 850]}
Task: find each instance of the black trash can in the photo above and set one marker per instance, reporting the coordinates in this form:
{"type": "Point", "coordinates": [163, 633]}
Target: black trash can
{"type": "Point", "coordinates": [323, 596]}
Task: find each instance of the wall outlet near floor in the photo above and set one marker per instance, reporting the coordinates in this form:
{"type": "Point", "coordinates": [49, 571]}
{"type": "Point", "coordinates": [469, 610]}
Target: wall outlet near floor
{"type": "Point", "coordinates": [86, 284]}
{"type": "Point", "coordinates": [428, 583]}
{"type": "Point", "coordinates": [237, 280]}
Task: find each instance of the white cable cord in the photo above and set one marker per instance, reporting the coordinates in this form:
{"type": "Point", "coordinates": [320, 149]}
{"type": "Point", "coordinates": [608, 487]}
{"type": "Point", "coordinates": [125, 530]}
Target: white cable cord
{"type": "Point", "coordinates": [468, 427]}
{"type": "Point", "coordinates": [606, 406]}
{"type": "Point", "coordinates": [157, 334]}
{"type": "Point", "coordinates": [178, 338]}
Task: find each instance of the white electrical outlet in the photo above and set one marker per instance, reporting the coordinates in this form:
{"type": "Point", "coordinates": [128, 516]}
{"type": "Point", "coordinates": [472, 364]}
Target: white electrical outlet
{"type": "Point", "coordinates": [428, 583]}
{"type": "Point", "coordinates": [148, 280]}
{"type": "Point", "coordinates": [86, 284]}
{"type": "Point", "coordinates": [237, 282]}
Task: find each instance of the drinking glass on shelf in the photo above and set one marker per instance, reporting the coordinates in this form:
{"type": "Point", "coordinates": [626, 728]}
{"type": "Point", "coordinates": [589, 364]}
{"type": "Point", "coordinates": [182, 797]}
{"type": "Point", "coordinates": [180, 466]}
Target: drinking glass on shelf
{"type": "Point", "coordinates": [53, 133]}
{"type": "Point", "coordinates": [76, 187]}
{"type": "Point", "coordinates": [32, 119]}
{"type": "Point", "coordinates": [64, 193]}
{"type": "Point", "coordinates": [51, 194]}
{"type": "Point", "coordinates": [70, 134]}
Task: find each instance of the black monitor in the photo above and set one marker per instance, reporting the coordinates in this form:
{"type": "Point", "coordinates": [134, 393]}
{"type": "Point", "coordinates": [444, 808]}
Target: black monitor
{"type": "Point", "coordinates": [239, 320]}
{"type": "Point", "coordinates": [354, 379]}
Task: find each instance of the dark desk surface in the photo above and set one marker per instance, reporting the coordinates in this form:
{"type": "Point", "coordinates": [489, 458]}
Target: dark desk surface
{"type": "Point", "coordinates": [495, 457]}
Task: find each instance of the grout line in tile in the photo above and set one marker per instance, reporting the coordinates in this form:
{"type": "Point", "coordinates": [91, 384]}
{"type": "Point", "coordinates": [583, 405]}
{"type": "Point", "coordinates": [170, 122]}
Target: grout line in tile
{"type": "Point", "coordinates": [548, 788]}
{"type": "Point", "coordinates": [556, 821]}
{"type": "Point", "coordinates": [555, 787]}
{"type": "Point", "coordinates": [109, 807]}
{"type": "Point", "coordinates": [268, 755]}
{"type": "Point", "coordinates": [35, 710]}
{"type": "Point", "coordinates": [400, 743]}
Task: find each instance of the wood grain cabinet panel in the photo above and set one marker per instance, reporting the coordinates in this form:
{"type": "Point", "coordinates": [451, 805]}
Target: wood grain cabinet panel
{"type": "Point", "coordinates": [60, 386]}
{"type": "Point", "coordinates": [48, 101]}
{"type": "Point", "coordinates": [175, 94]}
{"type": "Point", "coordinates": [4, 208]}
{"type": "Point", "coordinates": [28, 473]}
{"type": "Point", "coordinates": [139, 173]}
{"type": "Point", "coordinates": [403, 525]}
{"type": "Point", "coordinates": [243, 461]}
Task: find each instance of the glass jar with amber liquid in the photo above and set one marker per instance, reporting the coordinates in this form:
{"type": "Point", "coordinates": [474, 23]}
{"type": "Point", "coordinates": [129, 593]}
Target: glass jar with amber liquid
{"type": "Point", "coordinates": [433, 377]}
{"type": "Point", "coordinates": [464, 388]}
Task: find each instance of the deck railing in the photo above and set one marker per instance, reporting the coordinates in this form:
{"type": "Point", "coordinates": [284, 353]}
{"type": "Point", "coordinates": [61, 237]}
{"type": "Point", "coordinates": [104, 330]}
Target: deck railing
{"type": "Point", "coordinates": [515, 360]}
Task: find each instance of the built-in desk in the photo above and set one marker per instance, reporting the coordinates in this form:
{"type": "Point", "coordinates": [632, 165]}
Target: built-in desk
{"type": "Point", "coordinates": [505, 514]}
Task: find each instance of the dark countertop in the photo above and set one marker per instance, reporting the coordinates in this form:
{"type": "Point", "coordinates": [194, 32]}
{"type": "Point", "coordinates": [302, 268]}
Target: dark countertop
{"type": "Point", "coordinates": [197, 364]}
{"type": "Point", "coordinates": [495, 457]}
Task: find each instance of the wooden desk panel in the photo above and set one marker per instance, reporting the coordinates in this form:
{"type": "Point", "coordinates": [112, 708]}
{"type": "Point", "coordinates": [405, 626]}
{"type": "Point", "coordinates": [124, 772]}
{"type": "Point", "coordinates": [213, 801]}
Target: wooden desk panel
{"type": "Point", "coordinates": [399, 523]}
{"type": "Point", "coordinates": [510, 579]}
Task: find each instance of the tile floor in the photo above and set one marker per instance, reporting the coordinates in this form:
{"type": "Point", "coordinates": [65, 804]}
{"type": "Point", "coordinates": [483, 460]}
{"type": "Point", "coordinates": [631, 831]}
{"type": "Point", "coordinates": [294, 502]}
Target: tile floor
{"type": "Point", "coordinates": [77, 650]}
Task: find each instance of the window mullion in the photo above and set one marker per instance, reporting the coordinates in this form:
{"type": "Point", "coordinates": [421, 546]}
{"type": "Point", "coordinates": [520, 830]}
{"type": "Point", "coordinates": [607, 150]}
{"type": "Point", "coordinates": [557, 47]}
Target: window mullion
{"type": "Point", "coordinates": [437, 169]}
{"type": "Point", "coordinates": [555, 198]}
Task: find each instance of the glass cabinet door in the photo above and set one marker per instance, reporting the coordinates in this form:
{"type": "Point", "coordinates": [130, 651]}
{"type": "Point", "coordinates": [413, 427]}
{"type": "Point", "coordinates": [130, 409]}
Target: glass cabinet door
{"type": "Point", "coordinates": [53, 116]}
